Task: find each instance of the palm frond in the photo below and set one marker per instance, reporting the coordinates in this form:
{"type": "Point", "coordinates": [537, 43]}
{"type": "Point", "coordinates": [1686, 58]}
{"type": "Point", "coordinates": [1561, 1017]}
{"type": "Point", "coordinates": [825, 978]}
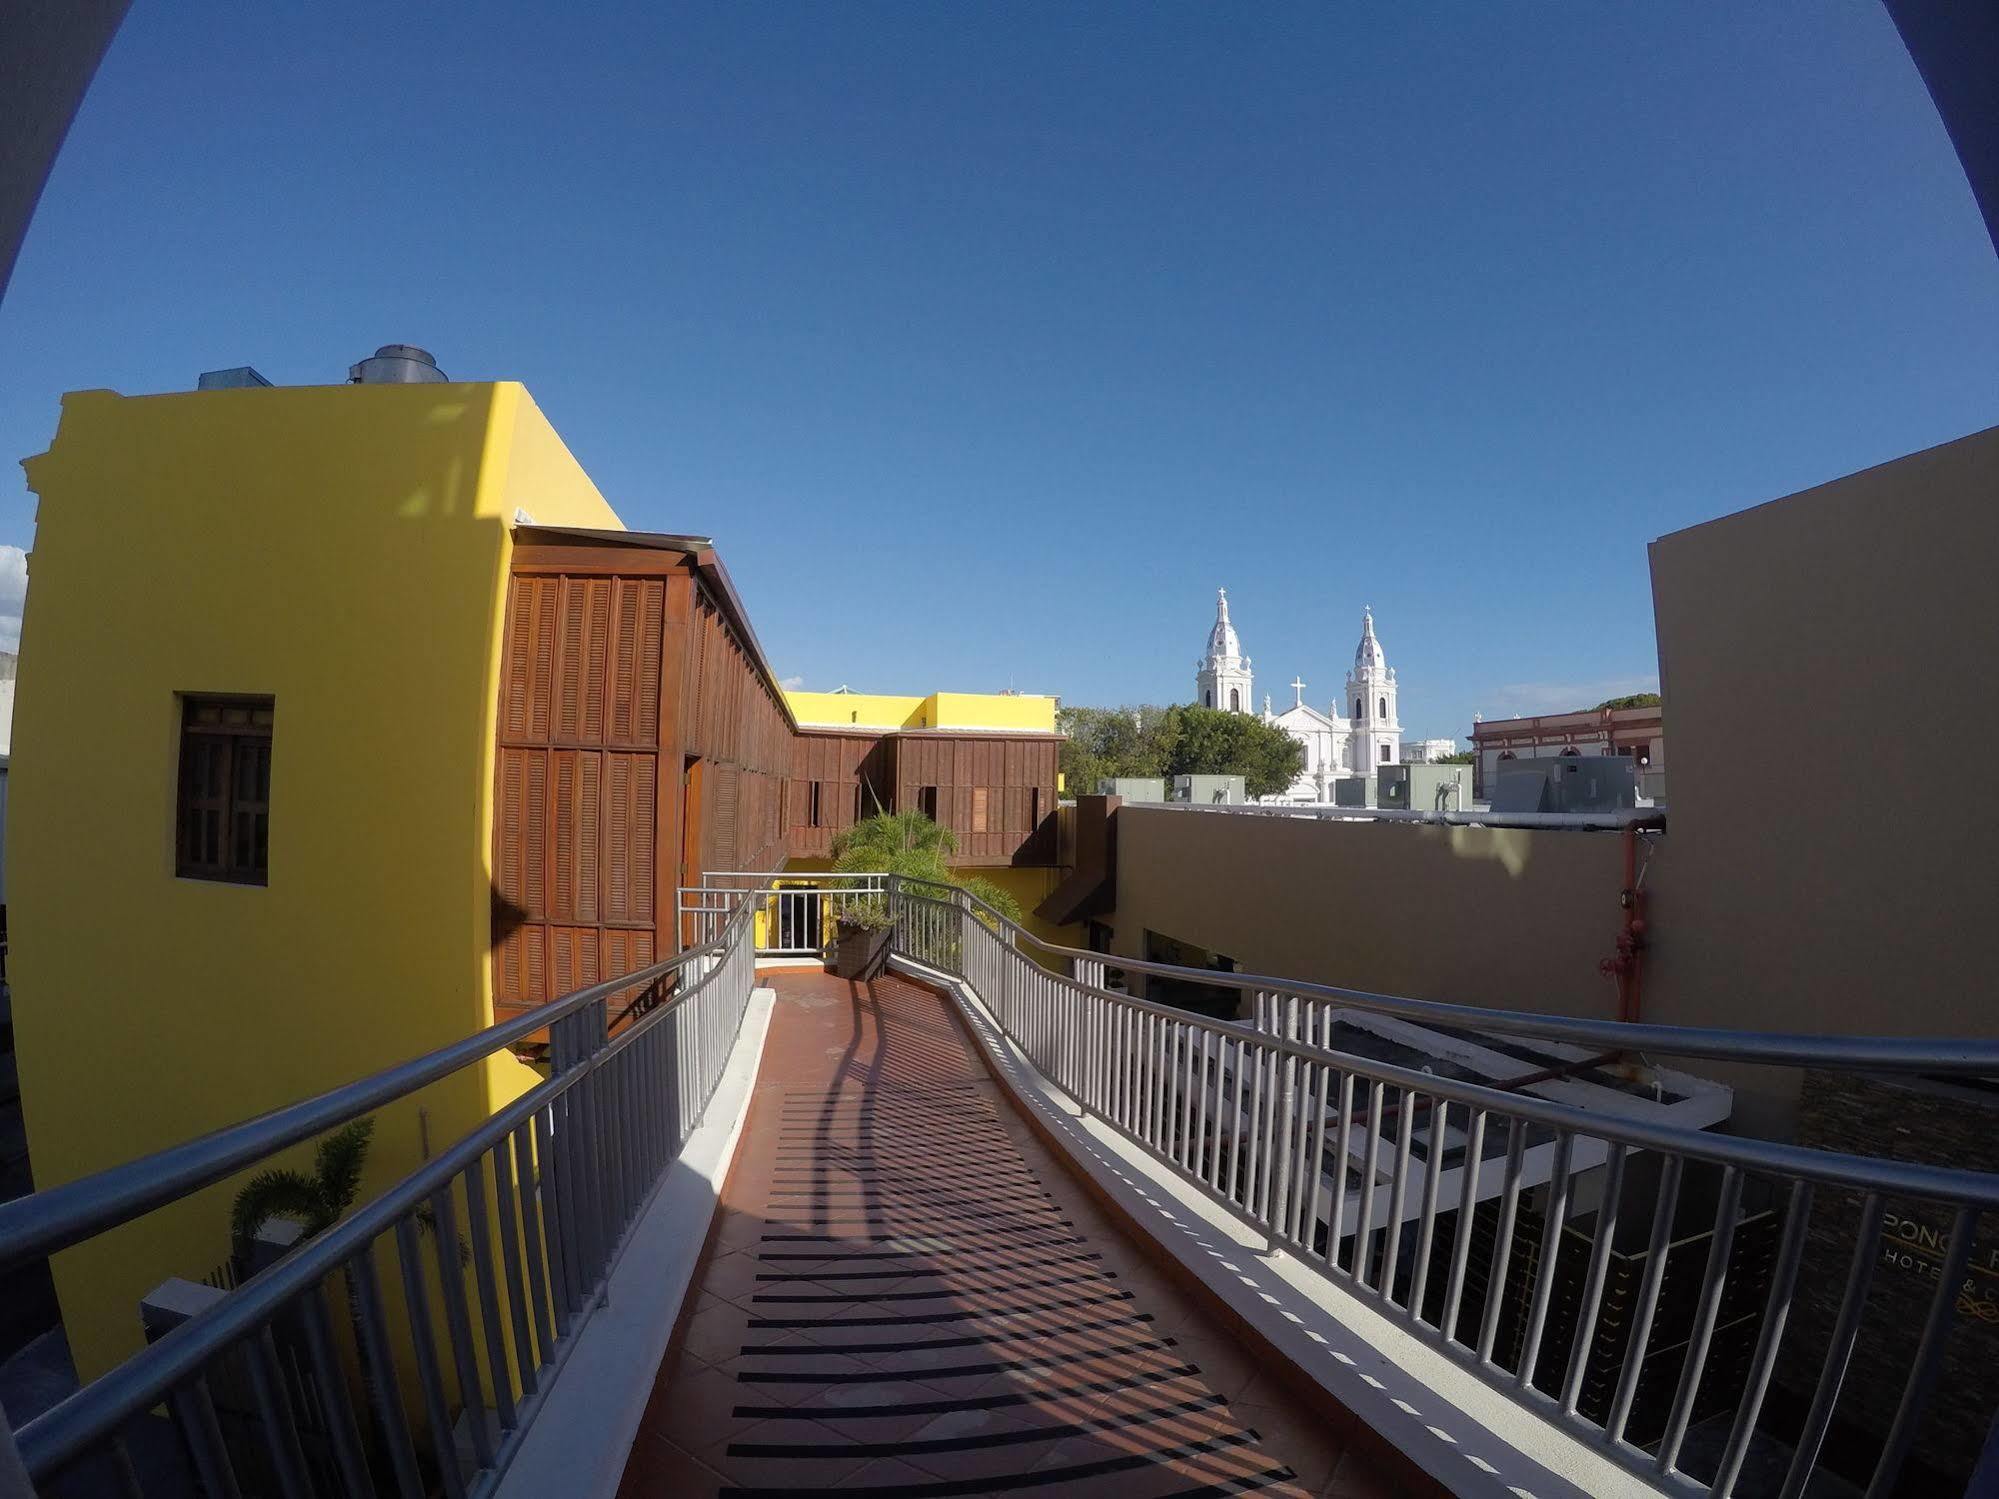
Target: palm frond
{"type": "Point", "coordinates": [276, 1194]}
{"type": "Point", "coordinates": [340, 1160]}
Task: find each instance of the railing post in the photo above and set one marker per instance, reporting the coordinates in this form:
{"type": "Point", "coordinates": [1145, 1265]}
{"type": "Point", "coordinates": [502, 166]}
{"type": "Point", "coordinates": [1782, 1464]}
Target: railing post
{"type": "Point", "coordinates": [1277, 1203]}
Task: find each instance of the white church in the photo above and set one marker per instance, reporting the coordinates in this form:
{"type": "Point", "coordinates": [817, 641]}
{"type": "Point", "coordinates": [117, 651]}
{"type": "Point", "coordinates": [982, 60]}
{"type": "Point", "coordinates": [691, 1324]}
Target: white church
{"type": "Point", "coordinates": [1337, 743]}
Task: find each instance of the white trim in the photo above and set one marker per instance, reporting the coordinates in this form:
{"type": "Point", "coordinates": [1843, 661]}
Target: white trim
{"type": "Point", "coordinates": [582, 1436]}
{"type": "Point", "coordinates": [1440, 1416]}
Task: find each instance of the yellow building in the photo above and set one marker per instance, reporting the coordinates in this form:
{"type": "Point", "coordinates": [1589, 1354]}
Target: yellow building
{"type": "Point", "coordinates": [333, 557]}
{"type": "Point", "coordinates": [304, 762]}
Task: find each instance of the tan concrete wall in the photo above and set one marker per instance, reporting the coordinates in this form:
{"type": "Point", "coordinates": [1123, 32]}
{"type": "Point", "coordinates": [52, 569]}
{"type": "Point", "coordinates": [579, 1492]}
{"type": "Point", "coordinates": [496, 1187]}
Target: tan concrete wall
{"type": "Point", "coordinates": [1497, 917]}
{"type": "Point", "coordinates": [1823, 870]}
{"type": "Point", "coordinates": [1830, 871]}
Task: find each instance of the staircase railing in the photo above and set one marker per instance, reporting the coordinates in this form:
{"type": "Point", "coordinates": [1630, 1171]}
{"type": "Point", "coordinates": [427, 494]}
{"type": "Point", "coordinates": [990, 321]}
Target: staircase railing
{"type": "Point", "coordinates": [1382, 1177]}
{"type": "Point", "coordinates": [514, 1230]}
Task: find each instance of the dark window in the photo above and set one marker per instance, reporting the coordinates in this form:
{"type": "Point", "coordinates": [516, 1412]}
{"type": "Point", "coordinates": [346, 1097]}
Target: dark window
{"type": "Point", "coordinates": [224, 822]}
{"type": "Point", "coordinates": [1207, 700]}
{"type": "Point", "coordinates": [1356, 708]}
{"type": "Point", "coordinates": [1572, 750]}
{"type": "Point", "coordinates": [926, 801]}
{"type": "Point", "coordinates": [1384, 754]}
{"type": "Point", "coordinates": [816, 811]}
{"type": "Point", "coordinates": [1235, 701]}
{"type": "Point", "coordinates": [1384, 707]}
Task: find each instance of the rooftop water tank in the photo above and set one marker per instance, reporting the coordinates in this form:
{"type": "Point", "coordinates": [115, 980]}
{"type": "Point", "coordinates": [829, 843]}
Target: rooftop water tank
{"type": "Point", "coordinates": [397, 364]}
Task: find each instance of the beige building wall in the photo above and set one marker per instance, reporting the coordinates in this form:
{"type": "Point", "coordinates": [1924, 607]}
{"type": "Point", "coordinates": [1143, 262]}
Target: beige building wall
{"type": "Point", "coordinates": [1834, 874]}
{"type": "Point", "coordinates": [1826, 874]}
{"type": "Point", "coordinates": [1491, 916]}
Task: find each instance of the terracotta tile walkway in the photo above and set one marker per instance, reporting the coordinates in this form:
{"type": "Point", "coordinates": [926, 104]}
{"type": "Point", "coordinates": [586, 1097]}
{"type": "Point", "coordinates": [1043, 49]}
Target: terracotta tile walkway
{"type": "Point", "coordinates": [906, 1295]}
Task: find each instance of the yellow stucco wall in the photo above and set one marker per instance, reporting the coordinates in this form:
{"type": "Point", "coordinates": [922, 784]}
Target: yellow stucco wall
{"type": "Point", "coordinates": [940, 710]}
{"type": "Point", "coordinates": [342, 549]}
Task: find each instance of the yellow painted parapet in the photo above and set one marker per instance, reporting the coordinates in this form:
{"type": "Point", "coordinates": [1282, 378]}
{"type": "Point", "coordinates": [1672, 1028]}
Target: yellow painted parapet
{"type": "Point", "coordinates": [343, 550]}
{"type": "Point", "coordinates": [853, 710]}
{"type": "Point", "coordinates": [998, 712]}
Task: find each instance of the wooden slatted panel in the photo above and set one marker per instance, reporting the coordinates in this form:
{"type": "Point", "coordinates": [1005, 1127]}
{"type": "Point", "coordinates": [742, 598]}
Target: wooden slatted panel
{"type": "Point", "coordinates": [629, 829]}
{"type": "Point", "coordinates": [577, 827]}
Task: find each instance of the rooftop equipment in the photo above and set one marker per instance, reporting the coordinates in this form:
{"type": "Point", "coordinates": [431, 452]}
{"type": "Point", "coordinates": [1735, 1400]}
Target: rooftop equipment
{"type": "Point", "coordinates": [397, 364]}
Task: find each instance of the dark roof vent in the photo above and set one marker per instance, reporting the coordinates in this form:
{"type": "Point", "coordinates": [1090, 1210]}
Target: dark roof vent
{"type": "Point", "coordinates": [397, 364]}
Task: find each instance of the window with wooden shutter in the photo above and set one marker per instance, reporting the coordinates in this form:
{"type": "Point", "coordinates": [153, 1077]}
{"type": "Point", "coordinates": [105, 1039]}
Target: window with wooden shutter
{"type": "Point", "coordinates": [979, 795]}
{"type": "Point", "coordinates": [223, 818]}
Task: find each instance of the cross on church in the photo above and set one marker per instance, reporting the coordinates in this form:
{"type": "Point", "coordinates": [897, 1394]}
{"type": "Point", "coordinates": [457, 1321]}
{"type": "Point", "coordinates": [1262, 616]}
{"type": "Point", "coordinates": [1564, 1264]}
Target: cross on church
{"type": "Point", "coordinates": [1298, 691]}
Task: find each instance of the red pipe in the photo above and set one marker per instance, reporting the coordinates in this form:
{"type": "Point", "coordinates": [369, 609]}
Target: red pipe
{"type": "Point", "coordinates": [1628, 967]}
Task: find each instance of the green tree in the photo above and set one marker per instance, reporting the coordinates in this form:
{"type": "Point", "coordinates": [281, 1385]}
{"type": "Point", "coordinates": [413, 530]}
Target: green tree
{"type": "Point", "coordinates": [1108, 742]}
{"type": "Point", "coordinates": [1633, 700]}
{"type": "Point", "coordinates": [1208, 741]}
{"type": "Point", "coordinates": [1458, 757]}
{"type": "Point", "coordinates": [911, 845]}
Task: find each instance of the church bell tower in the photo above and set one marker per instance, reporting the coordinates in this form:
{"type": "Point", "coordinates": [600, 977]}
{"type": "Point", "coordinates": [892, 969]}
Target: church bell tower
{"type": "Point", "coordinates": [1377, 729]}
{"type": "Point", "coordinates": [1222, 678]}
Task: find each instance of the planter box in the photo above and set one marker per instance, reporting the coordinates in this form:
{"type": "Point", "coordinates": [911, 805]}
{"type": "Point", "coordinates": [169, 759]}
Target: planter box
{"type": "Point", "coordinates": [859, 952]}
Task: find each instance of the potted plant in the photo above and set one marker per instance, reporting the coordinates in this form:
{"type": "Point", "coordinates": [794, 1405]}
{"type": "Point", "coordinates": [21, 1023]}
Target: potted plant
{"type": "Point", "coordinates": [860, 939]}
{"type": "Point", "coordinates": [897, 843]}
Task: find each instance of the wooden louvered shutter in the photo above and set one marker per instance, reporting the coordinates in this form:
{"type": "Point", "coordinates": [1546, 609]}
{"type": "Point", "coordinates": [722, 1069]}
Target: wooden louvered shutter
{"type": "Point", "coordinates": [577, 783]}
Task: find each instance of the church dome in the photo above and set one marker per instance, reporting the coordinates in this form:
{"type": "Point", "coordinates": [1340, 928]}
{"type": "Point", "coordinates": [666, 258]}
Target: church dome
{"type": "Point", "coordinates": [1222, 639]}
{"type": "Point", "coordinates": [1368, 654]}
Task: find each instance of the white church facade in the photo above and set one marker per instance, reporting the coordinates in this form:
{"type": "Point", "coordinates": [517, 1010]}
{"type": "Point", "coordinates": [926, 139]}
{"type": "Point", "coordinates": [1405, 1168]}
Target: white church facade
{"type": "Point", "coordinates": [1351, 737]}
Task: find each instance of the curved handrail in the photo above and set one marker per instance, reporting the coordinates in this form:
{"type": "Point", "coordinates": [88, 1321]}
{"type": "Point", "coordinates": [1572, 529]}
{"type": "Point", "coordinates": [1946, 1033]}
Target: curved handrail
{"type": "Point", "coordinates": [1955, 1055]}
{"type": "Point", "coordinates": [57, 1217]}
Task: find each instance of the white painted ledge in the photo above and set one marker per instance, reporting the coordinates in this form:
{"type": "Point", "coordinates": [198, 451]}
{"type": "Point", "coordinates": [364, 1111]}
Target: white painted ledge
{"type": "Point", "coordinates": [581, 1437]}
{"type": "Point", "coordinates": [1444, 1419]}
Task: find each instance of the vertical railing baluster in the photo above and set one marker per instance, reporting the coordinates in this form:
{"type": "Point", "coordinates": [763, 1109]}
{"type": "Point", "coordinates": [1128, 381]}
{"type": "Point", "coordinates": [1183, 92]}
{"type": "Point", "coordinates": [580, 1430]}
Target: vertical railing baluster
{"type": "Point", "coordinates": [1713, 1282]}
{"type": "Point", "coordinates": [489, 1293]}
{"type": "Point", "coordinates": [1343, 1138]}
{"type": "Point", "coordinates": [1454, 1283]}
{"type": "Point", "coordinates": [506, 1196]}
{"type": "Point", "coordinates": [1398, 1197]}
{"type": "Point", "coordinates": [1363, 1244]}
{"type": "Point", "coordinates": [1551, 1248]}
{"type": "Point", "coordinates": [1839, 1348]}
{"type": "Point", "coordinates": [1502, 1243]}
{"type": "Point", "coordinates": [335, 1407]}
{"type": "Point", "coordinates": [1315, 1157]}
{"type": "Point", "coordinates": [450, 1252]}
{"type": "Point", "coordinates": [1776, 1313]}
{"type": "Point", "coordinates": [1928, 1361]}
{"type": "Point", "coordinates": [381, 1373]}
{"type": "Point", "coordinates": [430, 1378]}
{"type": "Point", "coordinates": [1253, 1168]}
{"type": "Point", "coordinates": [194, 1411]}
{"type": "Point", "coordinates": [1426, 1218]}
{"type": "Point", "coordinates": [1648, 1296]}
{"type": "Point", "coordinates": [1599, 1267]}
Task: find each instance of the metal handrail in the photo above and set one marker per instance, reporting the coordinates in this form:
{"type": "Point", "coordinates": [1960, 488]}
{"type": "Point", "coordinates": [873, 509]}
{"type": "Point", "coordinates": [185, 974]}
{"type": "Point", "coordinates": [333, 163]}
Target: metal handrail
{"type": "Point", "coordinates": [53, 1219]}
{"type": "Point", "coordinates": [572, 1163]}
{"type": "Point", "coordinates": [1272, 1127]}
{"type": "Point", "coordinates": [1954, 1055]}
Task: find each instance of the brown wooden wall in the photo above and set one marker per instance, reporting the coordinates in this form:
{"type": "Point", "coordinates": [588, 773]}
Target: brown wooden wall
{"type": "Point", "coordinates": [628, 710]}
{"type": "Point", "coordinates": [996, 793]}
{"type": "Point", "coordinates": [838, 769]}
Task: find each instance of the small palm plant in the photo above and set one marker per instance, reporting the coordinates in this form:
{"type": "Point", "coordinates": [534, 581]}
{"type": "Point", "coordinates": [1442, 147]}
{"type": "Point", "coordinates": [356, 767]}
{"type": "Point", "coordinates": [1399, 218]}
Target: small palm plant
{"type": "Point", "coordinates": [317, 1201]}
{"type": "Point", "coordinates": [912, 845]}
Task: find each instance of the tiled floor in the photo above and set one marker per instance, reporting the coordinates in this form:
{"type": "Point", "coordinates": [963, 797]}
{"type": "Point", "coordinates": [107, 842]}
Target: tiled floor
{"type": "Point", "coordinates": [905, 1295]}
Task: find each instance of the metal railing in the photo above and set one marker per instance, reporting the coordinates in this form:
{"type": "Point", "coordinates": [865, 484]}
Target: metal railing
{"type": "Point", "coordinates": [796, 914]}
{"type": "Point", "coordinates": [1338, 1160]}
{"type": "Point", "coordinates": [514, 1230]}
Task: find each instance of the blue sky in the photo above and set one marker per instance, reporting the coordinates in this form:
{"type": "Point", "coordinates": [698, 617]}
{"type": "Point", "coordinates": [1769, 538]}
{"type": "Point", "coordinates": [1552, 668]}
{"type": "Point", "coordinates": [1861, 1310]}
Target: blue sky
{"type": "Point", "coordinates": [989, 340]}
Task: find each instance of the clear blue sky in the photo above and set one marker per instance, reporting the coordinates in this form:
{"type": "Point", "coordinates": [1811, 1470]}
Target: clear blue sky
{"type": "Point", "coordinates": [989, 340]}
